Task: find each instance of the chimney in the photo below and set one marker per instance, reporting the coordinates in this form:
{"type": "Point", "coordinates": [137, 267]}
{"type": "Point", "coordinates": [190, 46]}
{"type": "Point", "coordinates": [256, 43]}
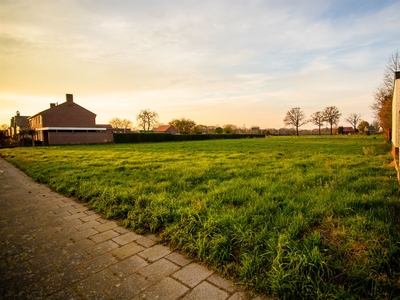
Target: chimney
{"type": "Point", "coordinates": [70, 98]}
{"type": "Point", "coordinates": [17, 113]}
{"type": "Point", "coordinates": [52, 105]}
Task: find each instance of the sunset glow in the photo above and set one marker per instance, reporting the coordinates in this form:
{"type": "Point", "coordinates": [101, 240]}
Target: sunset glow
{"type": "Point", "coordinates": [215, 62]}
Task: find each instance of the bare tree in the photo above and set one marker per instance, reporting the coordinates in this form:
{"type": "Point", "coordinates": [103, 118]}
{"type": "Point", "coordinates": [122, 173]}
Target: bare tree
{"type": "Point", "coordinates": [377, 124]}
{"type": "Point", "coordinates": [296, 118]}
{"type": "Point", "coordinates": [331, 115]}
{"type": "Point", "coordinates": [147, 119]}
{"type": "Point", "coordinates": [3, 134]}
{"type": "Point", "coordinates": [125, 123]}
{"type": "Point", "coordinates": [383, 95]}
{"type": "Point", "coordinates": [115, 122]}
{"type": "Point", "coordinates": [354, 119]}
{"type": "Point", "coordinates": [318, 119]}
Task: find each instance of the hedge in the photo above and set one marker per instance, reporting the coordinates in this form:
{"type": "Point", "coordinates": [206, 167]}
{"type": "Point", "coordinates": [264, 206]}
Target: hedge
{"type": "Point", "coordinates": [132, 137]}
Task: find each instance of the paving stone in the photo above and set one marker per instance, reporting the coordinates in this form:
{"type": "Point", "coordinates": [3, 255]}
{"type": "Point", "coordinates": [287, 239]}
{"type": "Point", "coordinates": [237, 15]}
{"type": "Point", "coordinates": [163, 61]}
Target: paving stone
{"type": "Point", "coordinates": [74, 216]}
{"type": "Point", "coordinates": [105, 226]}
{"type": "Point", "coordinates": [155, 253]}
{"type": "Point", "coordinates": [126, 238]}
{"type": "Point", "coordinates": [90, 217]}
{"type": "Point", "coordinates": [104, 236]}
{"type": "Point", "coordinates": [66, 293]}
{"type": "Point", "coordinates": [64, 231]}
{"type": "Point", "coordinates": [178, 258]}
{"type": "Point", "coordinates": [83, 234]}
{"type": "Point", "coordinates": [103, 248]}
{"type": "Point", "coordinates": [47, 258]}
{"type": "Point", "coordinates": [15, 270]}
{"type": "Point", "coordinates": [78, 210]}
{"type": "Point", "coordinates": [61, 212]}
{"type": "Point", "coordinates": [74, 259]}
{"type": "Point", "coordinates": [152, 237]}
{"type": "Point", "coordinates": [166, 289]}
{"type": "Point", "coordinates": [67, 203]}
{"type": "Point", "coordinates": [146, 242]}
{"type": "Point", "coordinates": [240, 296]}
{"type": "Point", "coordinates": [129, 287]}
{"type": "Point", "coordinates": [206, 290]}
{"type": "Point", "coordinates": [156, 271]}
{"type": "Point", "coordinates": [121, 230]}
{"type": "Point", "coordinates": [26, 291]}
{"type": "Point", "coordinates": [222, 283]}
{"type": "Point", "coordinates": [99, 263]}
{"type": "Point", "coordinates": [192, 274]}
{"type": "Point", "coordinates": [53, 281]}
{"type": "Point", "coordinates": [87, 225]}
{"type": "Point", "coordinates": [92, 285]}
{"type": "Point", "coordinates": [46, 275]}
{"type": "Point", "coordinates": [68, 276]}
{"type": "Point", "coordinates": [79, 245]}
{"type": "Point", "coordinates": [127, 250]}
{"type": "Point", "coordinates": [128, 266]}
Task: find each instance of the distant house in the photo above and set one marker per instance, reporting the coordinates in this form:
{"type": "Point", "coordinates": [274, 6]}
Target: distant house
{"type": "Point", "coordinates": [18, 125]}
{"type": "Point", "coordinates": [348, 130]}
{"type": "Point", "coordinates": [371, 129]}
{"type": "Point", "coordinates": [69, 123]}
{"type": "Point", "coordinates": [166, 129]}
{"type": "Point", "coordinates": [255, 129]}
{"type": "Point", "coordinates": [19, 128]}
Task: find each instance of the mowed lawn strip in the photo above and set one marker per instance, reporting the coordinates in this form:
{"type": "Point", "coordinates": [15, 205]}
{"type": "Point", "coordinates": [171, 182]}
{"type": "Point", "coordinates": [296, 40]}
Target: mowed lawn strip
{"type": "Point", "coordinates": [294, 217]}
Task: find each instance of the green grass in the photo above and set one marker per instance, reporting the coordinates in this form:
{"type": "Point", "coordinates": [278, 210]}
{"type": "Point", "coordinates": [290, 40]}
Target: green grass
{"type": "Point", "coordinates": [308, 217]}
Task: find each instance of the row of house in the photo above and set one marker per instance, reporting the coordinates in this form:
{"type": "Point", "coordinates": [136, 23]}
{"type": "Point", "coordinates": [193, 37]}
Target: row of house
{"type": "Point", "coordinates": [70, 123]}
{"type": "Point", "coordinates": [67, 123]}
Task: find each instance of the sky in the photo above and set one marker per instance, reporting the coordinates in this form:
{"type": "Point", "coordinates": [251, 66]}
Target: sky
{"type": "Point", "coordinates": [215, 62]}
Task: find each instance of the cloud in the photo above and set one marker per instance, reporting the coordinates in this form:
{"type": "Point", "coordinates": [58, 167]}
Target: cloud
{"type": "Point", "coordinates": [213, 60]}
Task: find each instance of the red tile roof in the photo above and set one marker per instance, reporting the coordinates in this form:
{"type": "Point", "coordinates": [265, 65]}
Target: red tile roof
{"type": "Point", "coordinates": [162, 128]}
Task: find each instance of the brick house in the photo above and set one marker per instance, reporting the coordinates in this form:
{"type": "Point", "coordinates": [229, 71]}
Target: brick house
{"type": "Point", "coordinates": [348, 130]}
{"type": "Point", "coordinates": [167, 129]}
{"type": "Point", "coordinates": [370, 129]}
{"type": "Point", "coordinates": [69, 123]}
{"type": "Point", "coordinates": [19, 126]}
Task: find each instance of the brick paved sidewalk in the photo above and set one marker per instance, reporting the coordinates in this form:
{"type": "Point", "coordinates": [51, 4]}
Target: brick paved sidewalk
{"type": "Point", "coordinates": [55, 248]}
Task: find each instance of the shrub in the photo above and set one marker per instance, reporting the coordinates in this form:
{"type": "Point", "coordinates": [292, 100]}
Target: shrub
{"type": "Point", "coordinates": [133, 137]}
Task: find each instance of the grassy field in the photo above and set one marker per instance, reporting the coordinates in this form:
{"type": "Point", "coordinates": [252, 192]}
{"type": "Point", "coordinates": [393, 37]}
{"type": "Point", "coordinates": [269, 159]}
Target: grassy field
{"type": "Point", "coordinates": [293, 217]}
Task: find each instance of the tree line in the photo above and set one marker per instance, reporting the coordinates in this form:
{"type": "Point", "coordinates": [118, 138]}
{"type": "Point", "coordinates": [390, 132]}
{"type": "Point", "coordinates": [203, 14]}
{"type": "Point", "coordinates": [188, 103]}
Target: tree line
{"type": "Point", "coordinates": [297, 118]}
{"type": "Point", "coordinates": [383, 95]}
{"type": "Point", "coordinates": [330, 115]}
{"type": "Point", "coordinates": [148, 120]}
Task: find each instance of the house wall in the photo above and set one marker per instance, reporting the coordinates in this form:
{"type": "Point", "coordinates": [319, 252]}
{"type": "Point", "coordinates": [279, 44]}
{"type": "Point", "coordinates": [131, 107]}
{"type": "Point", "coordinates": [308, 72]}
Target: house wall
{"type": "Point", "coordinates": [173, 130]}
{"type": "Point", "coordinates": [64, 138]}
{"type": "Point", "coordinates": [396, 118]}
{"type": "Point", "coordinates": [68, 114]}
